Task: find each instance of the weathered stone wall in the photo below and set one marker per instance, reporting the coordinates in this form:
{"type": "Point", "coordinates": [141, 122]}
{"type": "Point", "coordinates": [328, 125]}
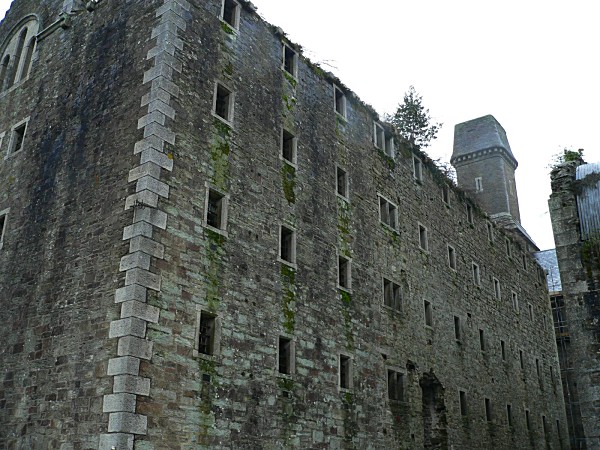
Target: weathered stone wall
{"type": "Point", "coordinates": [580, 276]}
{"type": "Point", "coordinates": [62, 250]}
{"type": "Point", "coordinates": [237, 398]}
{"type": "Point", "coordinates": [63, 240]}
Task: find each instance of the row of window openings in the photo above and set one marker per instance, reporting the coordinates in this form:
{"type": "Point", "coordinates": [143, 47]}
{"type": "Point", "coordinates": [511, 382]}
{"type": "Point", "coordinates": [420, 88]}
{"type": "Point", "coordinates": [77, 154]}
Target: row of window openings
{"type": "Point", "coordinates": [15, 69]}
{"type": "Point", "coordinates": [381, 139]}
{"type": "Point", "coordinates": [16, 140]}
{"type": "Point", "coordinates": [489, 416]}
{"type": "Point", "coordinates": [286, 364]}
{"type": "Point", "coordinates": [215, 218]}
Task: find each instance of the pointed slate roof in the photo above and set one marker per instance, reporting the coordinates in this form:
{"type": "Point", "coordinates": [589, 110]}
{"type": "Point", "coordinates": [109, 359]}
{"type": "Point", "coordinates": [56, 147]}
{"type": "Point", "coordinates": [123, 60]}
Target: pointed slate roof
{"type": "Point", "coordinates": [477, 135]}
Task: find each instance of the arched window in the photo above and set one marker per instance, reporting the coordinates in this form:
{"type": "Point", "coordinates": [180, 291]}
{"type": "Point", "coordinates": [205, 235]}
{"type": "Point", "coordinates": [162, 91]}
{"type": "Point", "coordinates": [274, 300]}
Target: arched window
{"type": "Point", "coordinates": [27, 60]}
{"type": "Point", "coordinates": [17, 59]}
{"type": "Point", "coordinates": [4, 72]}
{"type": "Point", "coordinates": [17, 52]}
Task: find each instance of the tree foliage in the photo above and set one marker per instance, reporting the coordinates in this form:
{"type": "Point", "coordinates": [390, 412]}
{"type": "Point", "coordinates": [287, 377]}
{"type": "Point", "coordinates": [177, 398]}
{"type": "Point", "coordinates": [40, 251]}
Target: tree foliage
{"type": "Point", "coordinates": [412, 120]}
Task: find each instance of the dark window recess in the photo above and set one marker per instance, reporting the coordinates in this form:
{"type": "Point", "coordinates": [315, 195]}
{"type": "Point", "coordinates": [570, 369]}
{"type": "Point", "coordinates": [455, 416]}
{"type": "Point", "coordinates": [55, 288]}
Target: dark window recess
{"type": "Point", "coordinates": [285, 355]}
{"type": "Point", "coordinates": [503, 350]}
{"type": "Point", "coordinates": [509, 418]}
{"type": "Point", "coordinates": [289, 60]}
{"type": "Point", "coordinates": [230, 12]}
{"type": "Point", "coordinates": [395, 385]}
{"type": "Point", "coordinates": [223, 102]}
{"type": "Point", "coordinates": [482, 340]}
{"type": "Point", "coordinates": [428, 313]}
{"type": "Point", "coordinates": [287, 245]}
{"type": "Point", "coordinates": [206, 337]}
{"type": "Point", "coordinates": [488, 410]}
{"type": "Point", "coordinates": [462, 396]}
{"type": "Point", "coordinates": [387, 212]}
{"type": "Point", "coordinates": [527, 420]}
{"type": "Point", "coordinates": [457, 330]}
{"type": "Point", "coordinates": [2, 223]}
{"type": "Point", "coordinates": [345, 371]}
{"type": "Point", "coordinates": [392, 295]}
{"type": "Point", "coordinates": [288, 146]}
{"type": "Point", "coordinates": [214, 213]}
{"type": "Point", "coordinates": [18, 137]}
{"type": "Point", "coordinates": [344, 272]}
{"type": "Point", "coordinates": [340, 102]}
{"type": "Point", "coordinates": [342, 183]}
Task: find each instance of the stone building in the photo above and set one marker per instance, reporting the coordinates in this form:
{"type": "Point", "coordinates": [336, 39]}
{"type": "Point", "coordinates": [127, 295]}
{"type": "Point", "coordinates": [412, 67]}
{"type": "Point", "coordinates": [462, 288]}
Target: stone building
{"type": "Point", "coordinates": [209, 242]}
{"type": "Point", "coordinates": [576, 223]}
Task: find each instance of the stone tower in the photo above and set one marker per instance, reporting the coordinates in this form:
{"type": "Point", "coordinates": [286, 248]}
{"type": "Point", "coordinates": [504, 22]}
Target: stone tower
{"type": "Point", "coordinates": [485, 167]}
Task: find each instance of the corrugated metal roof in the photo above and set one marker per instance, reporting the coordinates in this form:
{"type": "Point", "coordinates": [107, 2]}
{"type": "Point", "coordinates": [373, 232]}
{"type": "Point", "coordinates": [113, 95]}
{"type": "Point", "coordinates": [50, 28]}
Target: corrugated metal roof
{"type": "Point", "coordinates": [588, 201]}
{"type": "Point", "coordinates": [547, 259]}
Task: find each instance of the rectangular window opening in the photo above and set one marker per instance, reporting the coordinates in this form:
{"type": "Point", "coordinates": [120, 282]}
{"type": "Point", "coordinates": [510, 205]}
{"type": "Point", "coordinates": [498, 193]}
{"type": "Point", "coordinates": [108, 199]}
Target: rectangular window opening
{"type": "Point", "coordinates": [446, 195]}
{"type": "Point", "coordinates": [285, 355]}
{"type": "Point", "coordinates": [508, 248]}
{"type": "Point", "coordinates": [451, 257]}
{"type": "Point", "coordinates": [389, 146]}
{"type": "Point", "coordinates": [342, 182]}
{"type": "Point", "coordinates": [515, 301]}
{"type": "Point", "coordinates": [231, 13]}
{"type": "Point", "coordinates": [378, 136]}
{"type": "Point", "coordinates": [527, 420]}
{"type": "Point", "coordinates": [503, 350]}
{"type": "Point", "coordinates": [388, 213]}
{"type": "Point", "coordinates": [490, 231]}
{"type": "Point", "coordinates": [521, 360]}
{"type": "Point", "coordinates": [530, 307]}
{"type": "Point", "coordinates": [509, 418]}
{"type": "Point", "coordinates": [206, 335]}
{"type": "Point", "coordinates": [428, 313]}
{"type": "Point", "coordinates": [469, 214]}
{"type": "Point", "coordinates": [392, 295]}
{"type": "Point", "coordinates": [290, 61]}
{"type": "Point", "coordinates": [488, 410]}
{"type": "Point", "coordinates": [345, 372]}
{"type": "Point", "coordinates": [524, 259]}
{"type": "Point", "coordinates": [223, 103]}
{"type": "Point", "coordinates": [537, 368]}
{"type": "Point", "coordinates": [289, 144]}
{"type": "Point", "coordinates": [215, 214]}
{"type": "Point", "coordinates": [395, 385]}
{"type": "Point", "coordinates": [423, 239]}
{"type": "Point", "coordinates": [18, 136]}
{"type": "Point", "coordinates": [476, 274]}
{"type": "Point", "coordinates": [417, 169]}
{"type": "Point", "coordinates": [339, 101]}
{"type": "Point", "coordinates": [478, 184]}
{"type": "Point", "coordinates": [497, 293]}
{"type": "Point", "coordinates": [2, 227]}
{"type": "Point", "coordinates": [457, 328]}
{"type": "Point", "coordinates": [482, 340]}
{"type": "Point", "coordinates": [462, 398]}
{"type": "Point", "coordinates": [344, 273]}
{"type": "Point", "coordinates": [288, 245]}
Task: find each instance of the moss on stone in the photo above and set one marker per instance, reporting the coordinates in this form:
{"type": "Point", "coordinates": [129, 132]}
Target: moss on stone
{"type": "Point", "coordinates": [346, 304]}
{"type": "Point", "coordinates": [288, 180]}
{"type": "Point", "coordinates": [289, 102]}
{"type": "Point", "coordinates": [226, 28]}
{"type": "Point", "coordinates": [290, 78]}
{"type": "Point", "coordinates": [288, 281]}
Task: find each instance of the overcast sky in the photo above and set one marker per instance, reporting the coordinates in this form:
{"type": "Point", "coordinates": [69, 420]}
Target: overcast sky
{"type": "Point", "coordinates": [532, 64]}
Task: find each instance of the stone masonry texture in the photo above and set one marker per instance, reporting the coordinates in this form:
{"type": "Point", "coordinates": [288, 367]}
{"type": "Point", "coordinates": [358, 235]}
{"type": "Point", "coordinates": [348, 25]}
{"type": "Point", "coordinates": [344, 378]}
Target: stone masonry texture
{"type": "Point", "coordinates": [578, 260]}
{"type": "Point", "coordinates": [108, 263]}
